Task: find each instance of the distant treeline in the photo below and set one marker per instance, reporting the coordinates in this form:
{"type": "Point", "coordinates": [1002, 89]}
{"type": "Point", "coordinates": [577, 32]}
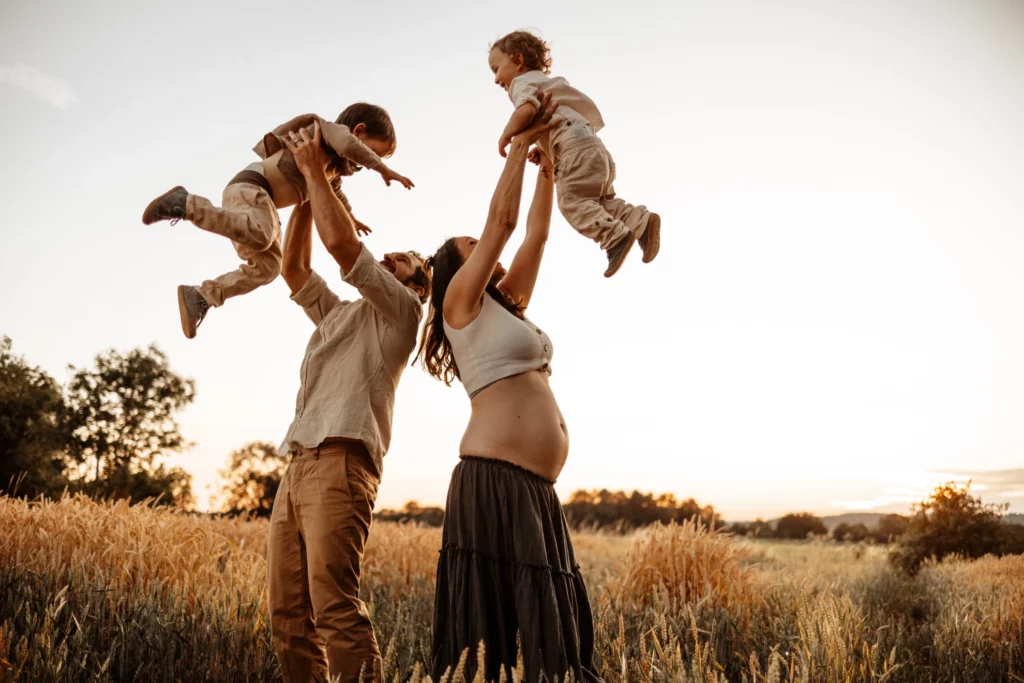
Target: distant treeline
{"type": "Point", "coordinates": [604, 509]}
{"type": "Point", "coordinates": [802, 525]}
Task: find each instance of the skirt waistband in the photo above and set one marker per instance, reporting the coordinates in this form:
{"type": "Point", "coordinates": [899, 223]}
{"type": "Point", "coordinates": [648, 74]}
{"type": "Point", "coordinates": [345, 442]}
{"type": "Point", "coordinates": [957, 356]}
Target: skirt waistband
{"type": "Point", "coordinates": [518, 469]}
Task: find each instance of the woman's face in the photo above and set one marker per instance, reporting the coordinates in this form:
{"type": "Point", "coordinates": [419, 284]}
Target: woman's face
{"type": "Point", "coordinates": [465, 247]}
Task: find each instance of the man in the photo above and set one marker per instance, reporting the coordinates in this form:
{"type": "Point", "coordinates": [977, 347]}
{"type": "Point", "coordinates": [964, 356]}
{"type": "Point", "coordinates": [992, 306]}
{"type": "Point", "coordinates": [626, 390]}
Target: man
{"type": "Point", "coordinates": [341, 431]}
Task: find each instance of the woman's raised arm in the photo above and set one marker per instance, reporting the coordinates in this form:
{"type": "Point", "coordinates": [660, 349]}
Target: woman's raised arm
{"type": "Point", "coordinates": [465, 293]}
{"type": "Point", "coordinates": [521, 278]}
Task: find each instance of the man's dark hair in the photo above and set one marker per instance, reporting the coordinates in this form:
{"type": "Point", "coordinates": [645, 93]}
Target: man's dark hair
{"type": "Point", "coordinates": [376, 119]}
{"type": "Point", "coordinates": [535, 52]}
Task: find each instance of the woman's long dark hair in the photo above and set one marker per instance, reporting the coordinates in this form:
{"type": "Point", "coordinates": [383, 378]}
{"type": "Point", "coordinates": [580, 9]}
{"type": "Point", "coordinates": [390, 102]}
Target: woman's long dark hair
{"type": "Point", "coordinates": [435, 352]}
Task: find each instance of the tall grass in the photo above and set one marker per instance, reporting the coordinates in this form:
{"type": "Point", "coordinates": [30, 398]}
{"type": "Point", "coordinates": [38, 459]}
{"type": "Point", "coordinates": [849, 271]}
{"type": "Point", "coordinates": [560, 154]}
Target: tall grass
{"type": "Point", "coordinates": [106, 592]}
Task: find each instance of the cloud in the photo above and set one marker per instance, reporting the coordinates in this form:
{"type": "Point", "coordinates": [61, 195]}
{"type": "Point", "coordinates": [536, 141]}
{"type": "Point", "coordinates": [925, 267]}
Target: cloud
{"type": "Point", "coordinates": [56, 91]}
{"type": "Point", "coordinates": [992, 479]}
{"type": "Point", "coordinates": [991, 485]}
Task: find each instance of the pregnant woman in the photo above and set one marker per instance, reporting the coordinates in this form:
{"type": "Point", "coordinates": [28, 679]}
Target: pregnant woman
{"type": "Point", "coordinates": [507, 567]}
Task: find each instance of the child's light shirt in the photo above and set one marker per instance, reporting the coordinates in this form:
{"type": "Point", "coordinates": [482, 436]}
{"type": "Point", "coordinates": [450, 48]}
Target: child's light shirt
{"type": "Point", "coordinates": [345, 152]}
{"type": "Point", "coordinates": [582, 118]}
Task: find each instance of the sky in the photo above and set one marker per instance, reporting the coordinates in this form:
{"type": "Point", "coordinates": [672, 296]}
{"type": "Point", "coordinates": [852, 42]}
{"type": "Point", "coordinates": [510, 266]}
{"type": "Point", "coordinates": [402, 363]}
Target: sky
{"type": "Point", "coordinates": [835, 320]}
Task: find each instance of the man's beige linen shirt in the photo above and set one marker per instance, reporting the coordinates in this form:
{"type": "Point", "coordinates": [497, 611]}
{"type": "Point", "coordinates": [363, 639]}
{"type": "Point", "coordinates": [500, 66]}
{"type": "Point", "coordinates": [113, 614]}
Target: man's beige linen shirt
{"type": "Point", "coordinates": [354, 359]}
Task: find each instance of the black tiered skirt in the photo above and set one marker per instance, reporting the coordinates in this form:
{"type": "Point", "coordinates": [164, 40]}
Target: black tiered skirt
{"type": "Point", "coordinates": [507, 569]}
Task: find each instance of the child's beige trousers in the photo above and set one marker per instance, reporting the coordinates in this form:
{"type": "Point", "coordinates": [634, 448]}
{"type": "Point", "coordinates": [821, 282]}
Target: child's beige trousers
{"type": "Point", "coordinates": [584, 180]}
{"type": "Point", "coordinates": [249, 219]}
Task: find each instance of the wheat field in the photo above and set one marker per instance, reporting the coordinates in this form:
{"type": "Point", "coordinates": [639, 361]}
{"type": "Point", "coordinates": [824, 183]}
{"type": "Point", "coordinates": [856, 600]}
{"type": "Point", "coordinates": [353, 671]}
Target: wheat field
{"type": "Point", "coordinates": [106, 592]}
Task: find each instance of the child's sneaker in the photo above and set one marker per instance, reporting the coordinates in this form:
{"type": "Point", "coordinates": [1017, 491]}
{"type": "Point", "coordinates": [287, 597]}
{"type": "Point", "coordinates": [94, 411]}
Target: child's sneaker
{"type": "Point", "coordinates": [617, 253]}
{"type": "Point", "coordinates": [650, 241]}
{"type": "Point", "coordinates": [192, 307]}
{"type": "Point", "coordinates": [168, 206]}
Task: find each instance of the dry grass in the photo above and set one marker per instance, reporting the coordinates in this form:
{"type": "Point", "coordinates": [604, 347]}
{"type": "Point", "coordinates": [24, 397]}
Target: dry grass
{"type": "Point", "coordinates": [107, 592]}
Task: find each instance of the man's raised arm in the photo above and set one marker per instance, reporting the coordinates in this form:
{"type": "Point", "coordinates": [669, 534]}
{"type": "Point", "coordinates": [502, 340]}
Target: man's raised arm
{"type": "Point", "coordinates": [298, 248]}
{"type": "Point", "coordinates": [335, 225]}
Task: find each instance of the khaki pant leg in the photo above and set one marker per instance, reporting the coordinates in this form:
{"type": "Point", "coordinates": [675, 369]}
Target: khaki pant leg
{"type": "Point", "coordinates": [337, 515]}
{"type": "Point", "coordinates": [261, 268]}
{"type": "Point", "coordinates": [299, 649]}
{"type": "Point", "coordinates": [633, 217]}
{"type": "Point", "coordinates": [249, 218]}
{"type": "Point", "coordinates": [581, 177]}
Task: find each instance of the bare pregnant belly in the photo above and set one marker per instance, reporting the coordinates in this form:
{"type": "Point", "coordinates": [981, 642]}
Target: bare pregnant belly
{"type": "Point", "coordinates": [517, 419]}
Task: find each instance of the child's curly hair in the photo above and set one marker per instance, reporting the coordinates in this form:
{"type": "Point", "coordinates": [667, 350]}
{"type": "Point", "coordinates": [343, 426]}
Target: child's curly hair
{"type": "Point", "coordinates": [535, 51]}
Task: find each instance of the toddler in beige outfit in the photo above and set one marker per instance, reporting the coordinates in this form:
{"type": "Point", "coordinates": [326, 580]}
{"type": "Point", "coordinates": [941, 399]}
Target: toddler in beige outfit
{"type": "Point", "coordinates": [584, 171]}
{"type": "Point", "coordinates": [362, 134]}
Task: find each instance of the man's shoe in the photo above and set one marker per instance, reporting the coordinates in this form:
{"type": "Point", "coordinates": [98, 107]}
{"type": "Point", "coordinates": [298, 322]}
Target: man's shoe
{"type": "Point", "coordinates": [168, 206]}
{"type": "Point", "coordinates": [650, 241]}
{"type": "Point", "coordinates": [192, 307]}
{"type": "Point", "coordinates": [617, 253]}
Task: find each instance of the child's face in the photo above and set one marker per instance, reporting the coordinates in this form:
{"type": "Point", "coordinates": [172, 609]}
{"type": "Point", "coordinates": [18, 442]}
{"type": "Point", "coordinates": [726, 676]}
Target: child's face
{"type": "Point", "coordinates": [381, 148]}
{"type": "Point", "coordinates": [504, 67]}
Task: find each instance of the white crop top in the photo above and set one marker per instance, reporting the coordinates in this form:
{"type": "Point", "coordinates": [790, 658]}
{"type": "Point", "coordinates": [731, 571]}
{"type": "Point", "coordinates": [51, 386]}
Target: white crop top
{"type": "Point", "coordinates": [497, 345]}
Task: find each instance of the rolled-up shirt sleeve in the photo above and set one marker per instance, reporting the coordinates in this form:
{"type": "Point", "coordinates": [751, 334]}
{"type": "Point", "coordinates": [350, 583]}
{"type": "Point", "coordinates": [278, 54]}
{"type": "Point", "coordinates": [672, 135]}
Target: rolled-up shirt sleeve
{"type": "Point", "coordinates": [339, 138]}
{"type": "Point", "coordinates": [523, 92]}
{"type": "Point", "coordinates": [396, 303]}
{"type": "Point", "coordinates": [316, 298]}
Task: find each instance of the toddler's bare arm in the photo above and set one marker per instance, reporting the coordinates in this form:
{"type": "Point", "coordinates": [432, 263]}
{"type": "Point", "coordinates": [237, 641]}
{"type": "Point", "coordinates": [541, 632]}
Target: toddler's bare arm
{"type": "Point", "coordinates": [521, 118]}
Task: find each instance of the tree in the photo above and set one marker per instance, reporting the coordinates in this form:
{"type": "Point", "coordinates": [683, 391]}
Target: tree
{"type": "Point", "coordinates": [951, 522]}
{"type": "Point", "coordinates": [606, 508]}
{"type": "Point", "coordinates": [172, 485]}
{"type": "Point", "coordinates": [122, 420]}
{"type": "Point", "coordinates": [33, 428]}
{"type": "Point", "coordinates": [800, 525]}
{"type": "Point", "coordinates": [854, 533]}
{"type": "Point", "coordinates": [252, 477]}
{"type": "Point", "coordinates": [413, 512]}
{"type": "Point", "coordinates": [891, 527]}
{"type": "Point", "coordinates": [761, 529]}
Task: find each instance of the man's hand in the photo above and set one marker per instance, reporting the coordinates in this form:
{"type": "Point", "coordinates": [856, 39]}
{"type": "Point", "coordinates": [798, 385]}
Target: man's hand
{"type": "Point", "coordinates": [388, 175]}
{"type": "Point", "coordinates": [503, 143]}
{"type": "Point", "coordinates": [308, 152]}
{"type": "Point", "coordinates": [361, 228]}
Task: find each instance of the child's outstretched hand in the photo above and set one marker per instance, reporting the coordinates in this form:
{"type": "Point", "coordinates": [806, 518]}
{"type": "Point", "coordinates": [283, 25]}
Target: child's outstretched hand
{"type": "Point", "coordinates": [388, 175]}
{"type": "Point", "coordinates": [361, 228]}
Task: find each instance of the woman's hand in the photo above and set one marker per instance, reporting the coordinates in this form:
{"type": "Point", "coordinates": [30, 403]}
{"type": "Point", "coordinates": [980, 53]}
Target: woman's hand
{"type": "Point", "coordinates": [541, 124]}
{"type": "Point", "coordinates": [538, 157]}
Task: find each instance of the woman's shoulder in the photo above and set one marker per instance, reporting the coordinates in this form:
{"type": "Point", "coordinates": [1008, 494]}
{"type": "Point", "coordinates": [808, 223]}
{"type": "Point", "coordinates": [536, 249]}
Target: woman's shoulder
{"type": "Point", "coordinates": [487, 309]}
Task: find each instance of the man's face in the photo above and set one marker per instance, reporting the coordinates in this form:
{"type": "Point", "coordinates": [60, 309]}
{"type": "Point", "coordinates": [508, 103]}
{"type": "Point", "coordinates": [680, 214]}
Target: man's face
{"type": "Point", "coordinates": [403, 265]}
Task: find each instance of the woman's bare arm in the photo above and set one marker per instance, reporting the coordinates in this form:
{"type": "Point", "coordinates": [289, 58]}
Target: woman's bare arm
{"type": "Point", "coordinates": [465, 293]}
{"type": "Point", "coordinates": [521, 278]}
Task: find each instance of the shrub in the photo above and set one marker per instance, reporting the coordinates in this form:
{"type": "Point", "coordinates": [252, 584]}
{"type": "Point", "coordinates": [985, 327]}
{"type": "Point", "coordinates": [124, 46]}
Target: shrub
{"type": "Point", "coordinates": [800, 525]}
{"type": "Point", "coordinates": [952, 522]}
